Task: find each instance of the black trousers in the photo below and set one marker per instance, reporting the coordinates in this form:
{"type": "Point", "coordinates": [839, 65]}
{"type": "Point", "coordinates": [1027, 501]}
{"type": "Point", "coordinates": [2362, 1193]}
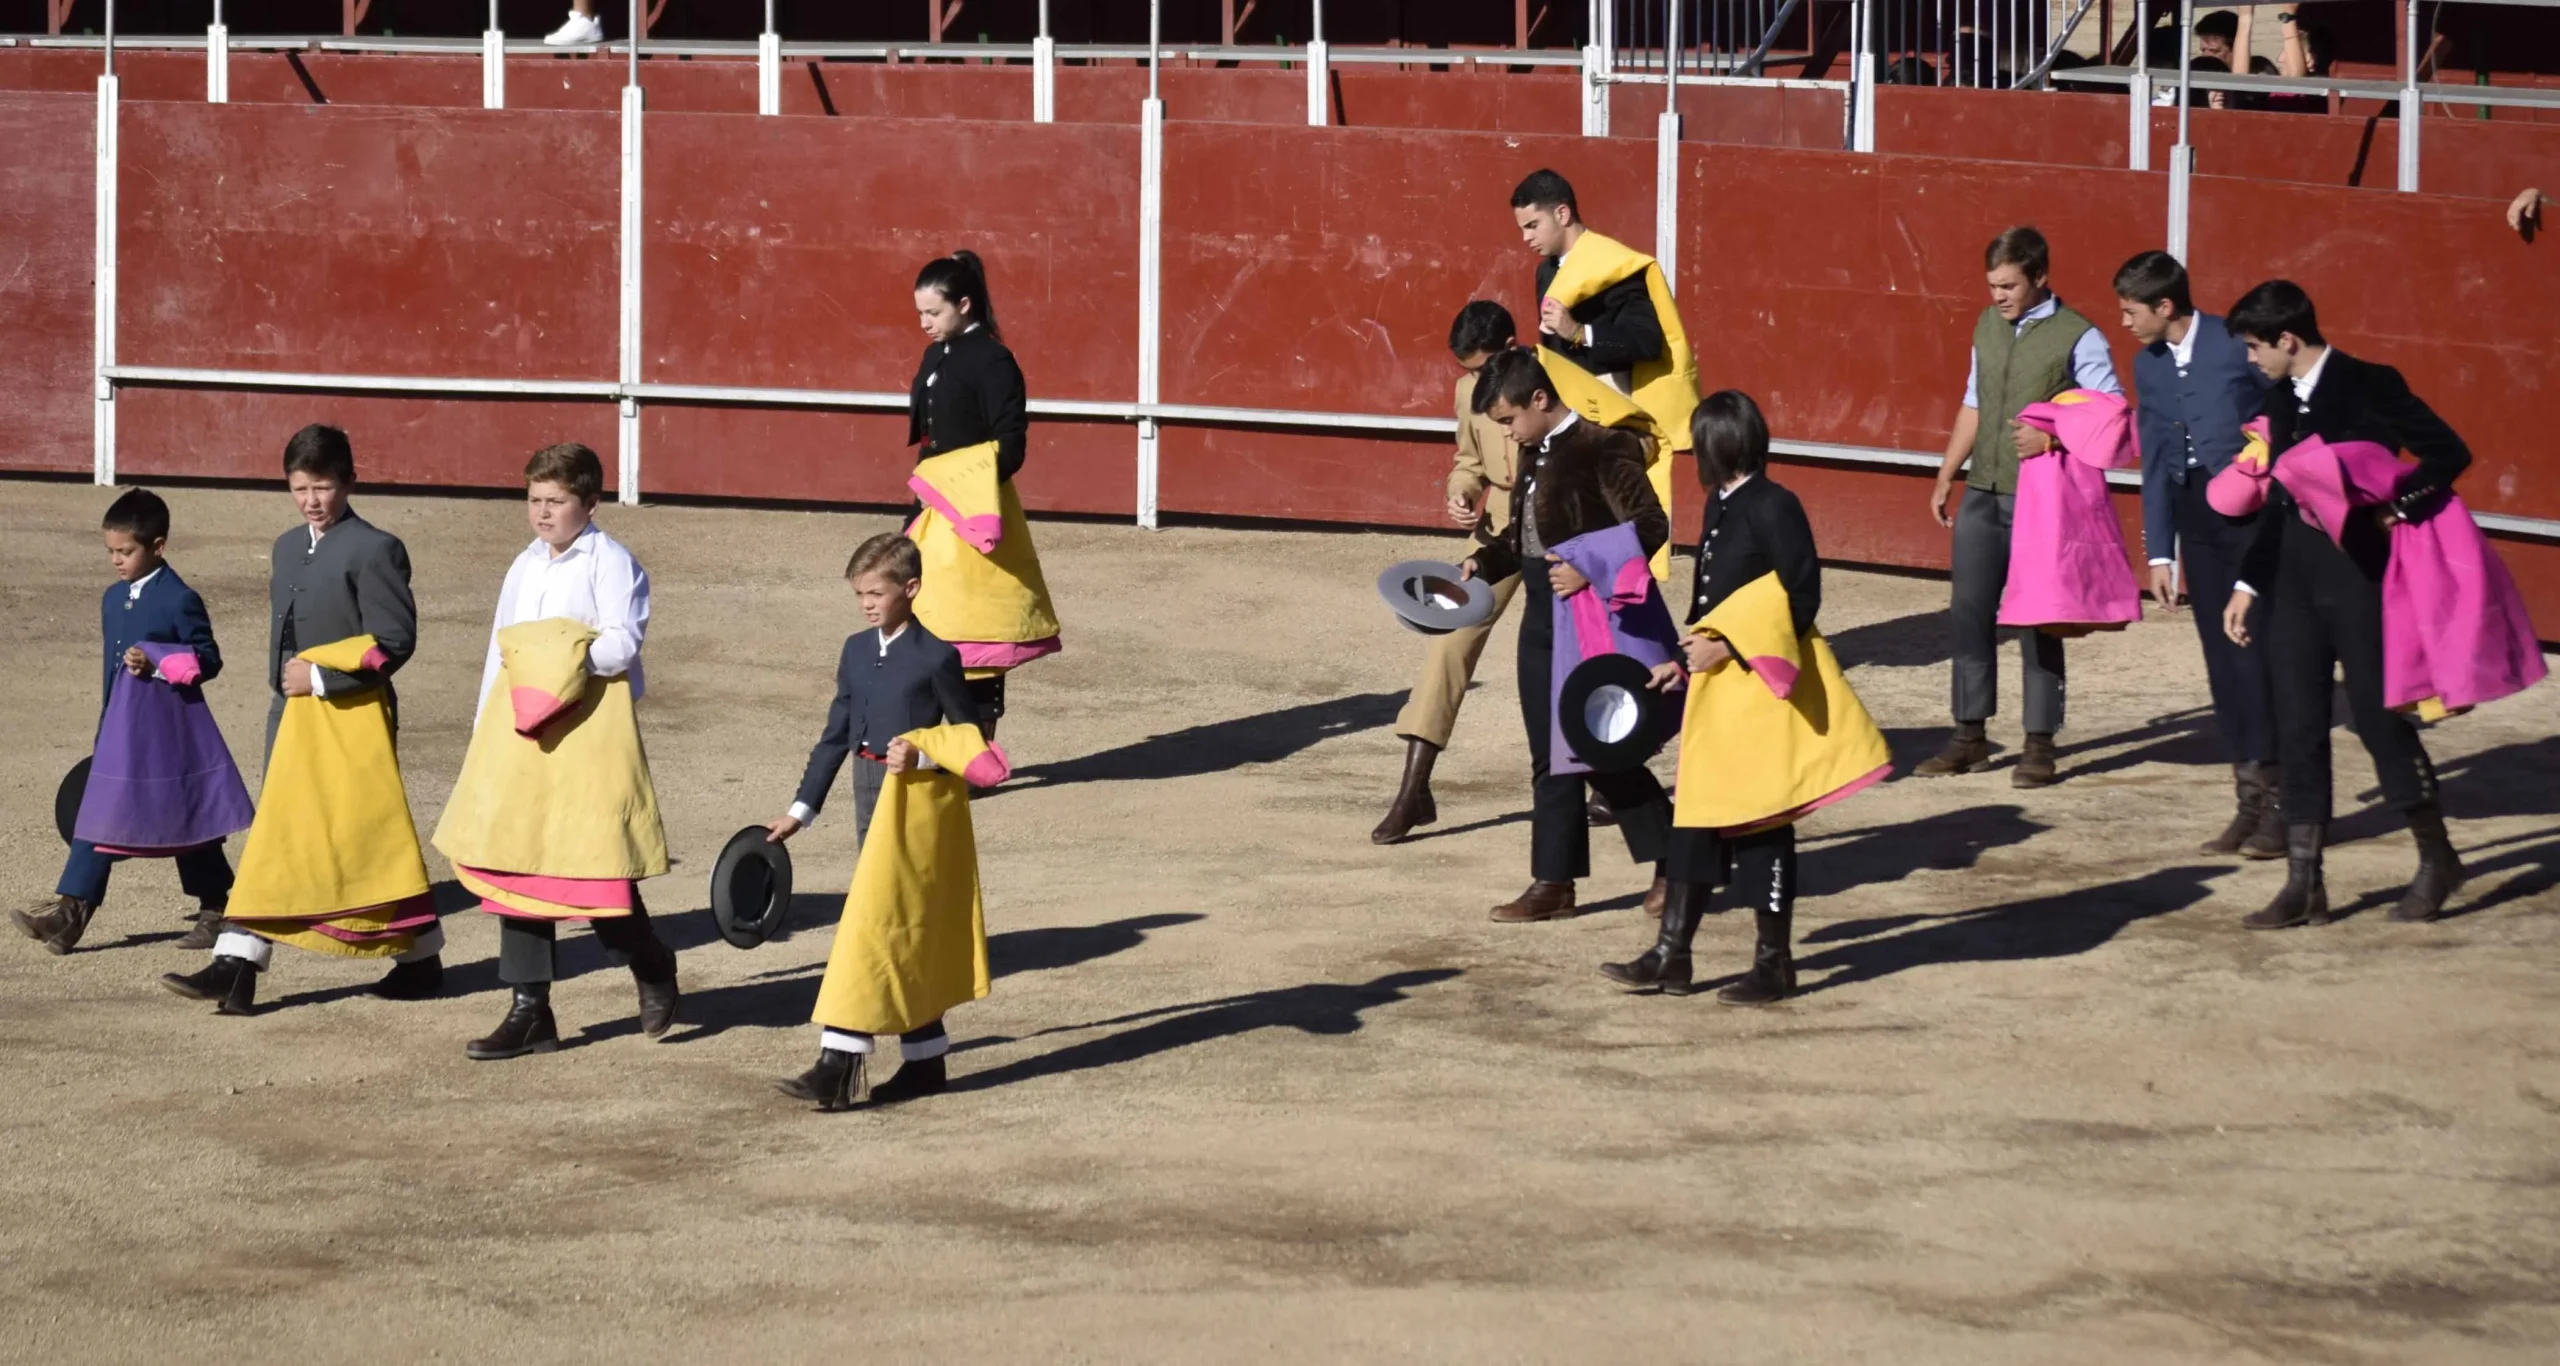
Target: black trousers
{"type": "Point", "coordinates": [1980, 573]}
{"type": "Point", "coordinates": [1559, 827]}
{"type": "Point", "coordinates": [2211, 546]}
{"type": "Point", "coordinates": [528, 950]}
{"type": "Point", "coordinates": [1760, 867]}
{"type": "Point", "coordinates": [2324, 616]}
{"type": "Point", "coordinates": [988, 693]}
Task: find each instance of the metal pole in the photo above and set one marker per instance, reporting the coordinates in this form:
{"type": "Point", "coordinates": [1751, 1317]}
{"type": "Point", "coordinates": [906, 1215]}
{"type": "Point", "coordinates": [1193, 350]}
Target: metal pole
{"type": "Point", "coordinates": [2138, 136]}
{"type": "Point", "coordinates": [1150, 264]}
{"type": "Point", "coordinates": [1155, 45]}
{"type": "Point", "coordinates": [102, 287]}
{"type": "Point", "coordinates": [2182, 159]}
{"type": "Point", "coordinates": [2411, 107]}
{"type": "Point", "coordinates": [217, 59]}
{"type": "Point", "coordinates": [111, 37]}
{"type": "Point", "coordinates": [1595, 67]}
{"type": "Point", "coordinates": [1671, 60]}
{"type": "Point", "coordinates": [1044, 72]}
{"type": "Point", "coordinates": [634, 81]}
{"type": "Point", "coordinates": [493, 62]}
{"type": "Point", "coordinates": [2186, 62]}
{"type": "Point", "coordinates": [1319, 74]}
{"type": "Point", "coordinates": [627, 487]}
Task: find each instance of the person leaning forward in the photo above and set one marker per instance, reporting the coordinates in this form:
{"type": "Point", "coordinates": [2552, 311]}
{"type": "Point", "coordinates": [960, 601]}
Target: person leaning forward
{"type": "Point", "coordinates": [1479, 494]}
{"type": "Point", "coordinates": [1575, 477]}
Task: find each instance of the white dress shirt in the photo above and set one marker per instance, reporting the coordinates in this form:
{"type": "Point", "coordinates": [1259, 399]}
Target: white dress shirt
{"type": "Point", "coordinates": [133, 590]}
{"type": "Point", "coordinates": [595, 581]}
{"type": "Point", "coordinates": [2092, 367]}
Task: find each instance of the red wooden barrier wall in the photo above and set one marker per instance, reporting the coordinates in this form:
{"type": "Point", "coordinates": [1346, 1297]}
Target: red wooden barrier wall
{"type": "Point", "coordinates": [48, 226]}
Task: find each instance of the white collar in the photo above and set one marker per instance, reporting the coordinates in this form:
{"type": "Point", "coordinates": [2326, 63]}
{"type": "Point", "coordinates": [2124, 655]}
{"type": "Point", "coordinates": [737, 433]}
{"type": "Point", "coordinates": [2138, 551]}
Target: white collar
{"type": "Point", "coordinates": [2183, 351]}
{"type": "Point", "coordinates": [133, 590]}
{"type": "Point", "coordinates": [1570, 417]}
{"type": "Point", "coordinates": [2309, 379]}
{"type": "Point", "coordinates": [893, 635]}
{"type": "Point", "coordinates": [574, 547]}
{"type": "Point", "coordinates": [1736, 486]}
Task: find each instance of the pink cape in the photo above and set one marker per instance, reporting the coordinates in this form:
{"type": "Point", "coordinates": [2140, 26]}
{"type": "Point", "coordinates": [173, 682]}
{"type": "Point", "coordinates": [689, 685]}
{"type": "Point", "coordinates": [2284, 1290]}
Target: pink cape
{"type": "Point", "coordinates": [2068, 571]}
{"type": "Point", "coordinates": [2454, 629]}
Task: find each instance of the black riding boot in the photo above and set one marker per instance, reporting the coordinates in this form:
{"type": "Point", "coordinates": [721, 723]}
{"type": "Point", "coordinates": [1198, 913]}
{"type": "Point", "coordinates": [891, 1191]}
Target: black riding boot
{"type": "Point", "coordinates": [2305, 897]}
{"type": "Point", "coordinates": [2439, 868]}
{"type": "Point", "coordinates": [1773, 965]}
{"type": "Point", "coordinates": [836, 1083]}
{"type": "Point", "coordinates": [528, 1028]}
{"type": "Point", "coordinates": [230, 983]}
{"type": "Point", "coordinates": [1665, 967]}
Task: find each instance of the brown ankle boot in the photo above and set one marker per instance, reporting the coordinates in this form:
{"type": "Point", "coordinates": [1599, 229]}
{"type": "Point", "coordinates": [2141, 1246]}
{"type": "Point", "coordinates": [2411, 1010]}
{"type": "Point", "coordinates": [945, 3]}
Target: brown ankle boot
{"type": "Point", "coordinates": [2248, 813]}
{"type": "Point", "coordinates": [207, 928]}
{"type": "Point", "coordinates": [2035, 762]}
{"type": "Point", "coordinates": [1967, 751]}
{"type": "Point", "coordinates": [2267, 841]}
{"type": "Point", "coordinates": [1543, 901]}
{"type": "Point", "coordinates": [2440, 870]}
{"type": "Point", "coordinates": [1413, 805]}
{"type": "Point", "coordinates": [58, 927]}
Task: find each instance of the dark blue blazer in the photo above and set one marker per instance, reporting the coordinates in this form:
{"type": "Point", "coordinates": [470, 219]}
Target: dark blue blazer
{"type": "Point", "coordinates": [168, 612]}
{"type": "Point", "coordinates": [2221, 390]}
{"type": "Point", "coordinates": [879, 697]}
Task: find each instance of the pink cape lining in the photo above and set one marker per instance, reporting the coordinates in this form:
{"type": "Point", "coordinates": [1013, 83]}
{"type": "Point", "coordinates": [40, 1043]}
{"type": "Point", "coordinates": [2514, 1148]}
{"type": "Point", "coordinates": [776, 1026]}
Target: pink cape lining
{"type": "Point", "coordinates": [1002, 654]}
{"type": "Point", "coordinates": [535, 708]}
{"type": "Point", "coordinates": [127, 851]}
{"type": "Point", "coordinates": [2067, 563]}
{"type": "Point", "coordinates": [988, 769]}
{"type": "Point", "coordinates": [981, 532]}
{"type": "Point", "coordinates": [409, 916]}
{"type": "Point", "coordinates": [375, 658]}
{"type": "Point", "coordinates": [611, 896]}
{"type": "Point", "coordinates": [1778, 674]}
{"type": "Point", "coordinates": [1845, 791]}
{"type": "Point", "coordinates": [181, 668]}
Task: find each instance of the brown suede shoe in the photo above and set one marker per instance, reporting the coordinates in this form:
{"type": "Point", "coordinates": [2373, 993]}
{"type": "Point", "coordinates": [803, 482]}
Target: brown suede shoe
{"type": "Point", "coordinates": [1967, 751]}
{"type": "Point", "coordinates": [207, 928]}
{"type": "Point", "coordinates": [2036, 767]}
{"type": "Point", "coordinates": [59, 926]}
{"type": "Point", "coordinates": [1543, 901]}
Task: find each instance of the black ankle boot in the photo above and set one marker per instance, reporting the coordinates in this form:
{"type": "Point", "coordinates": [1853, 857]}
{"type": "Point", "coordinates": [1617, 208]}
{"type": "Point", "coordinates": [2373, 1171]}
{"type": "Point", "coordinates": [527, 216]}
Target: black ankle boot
{"type": "Point", "coordinates": [836, 1083]}
{"type": "Point", "coordinates": [528, 1028]}
{"type": "Point", "coordinates": [1413, 805]}
{"type": "Point", "coordinates": [1773, 964]}
{"type": "Point", "coordinates": [658, 994]}
{"type": "Point", "coordinates": [2249, 810]}
{"type": "Point", "coordinates": [422, 980]}
{"type": "Point", "coordinates": [916, 1077]}
{"type": "Point", "coordinates": [1665, 967]}
{"type": "Point", "coordinates": [2439, 868]}
{"type": "Point", "coordinates": [230, 983]}
{"type": "Point", "coordinates": [2304, 899]}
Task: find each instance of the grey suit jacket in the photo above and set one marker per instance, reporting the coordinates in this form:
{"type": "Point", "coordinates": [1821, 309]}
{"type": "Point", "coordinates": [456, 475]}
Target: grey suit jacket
{"type": "Point", "coordinates": [355, 582]}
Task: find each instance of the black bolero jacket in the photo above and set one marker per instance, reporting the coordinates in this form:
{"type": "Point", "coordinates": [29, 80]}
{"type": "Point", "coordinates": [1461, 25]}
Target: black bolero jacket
{"type": "Point", "coordinates": [1758, 529]}
{"type": "Point", "coordinates": [968, 391]}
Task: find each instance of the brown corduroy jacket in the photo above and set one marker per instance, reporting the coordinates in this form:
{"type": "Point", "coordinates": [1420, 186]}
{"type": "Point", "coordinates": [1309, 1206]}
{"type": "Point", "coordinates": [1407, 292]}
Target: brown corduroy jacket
{"type": "Point", "coordinates": [1588, 479]}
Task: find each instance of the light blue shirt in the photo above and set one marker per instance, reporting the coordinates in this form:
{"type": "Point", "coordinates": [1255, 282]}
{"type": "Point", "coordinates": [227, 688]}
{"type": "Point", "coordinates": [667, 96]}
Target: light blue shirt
{"type": "Point", "coordinates": [2092, 367]}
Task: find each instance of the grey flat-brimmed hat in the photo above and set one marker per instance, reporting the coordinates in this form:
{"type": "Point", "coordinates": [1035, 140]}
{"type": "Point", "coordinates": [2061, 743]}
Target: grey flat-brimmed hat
{"type": "Point", "coordinates": [750, 888]}
{"type": "Point", "coordinates": [1431, 597]}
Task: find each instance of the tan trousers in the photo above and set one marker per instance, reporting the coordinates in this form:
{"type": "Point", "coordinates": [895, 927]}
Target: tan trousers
{"type": "Point", "coordinates": [1431, 712]}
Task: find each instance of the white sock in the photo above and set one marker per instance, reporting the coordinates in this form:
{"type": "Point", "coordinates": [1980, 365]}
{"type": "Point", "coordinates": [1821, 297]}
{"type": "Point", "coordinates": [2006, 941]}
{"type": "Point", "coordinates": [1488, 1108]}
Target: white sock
{"type": "Point", "coordinates": [242, 944]}
{"type": "Point", "coordinates": [844, 1040]}
{"type": "Point", "coordinates": [428, 946]}
{"type": "Point", "coordinates": [917, 1050]}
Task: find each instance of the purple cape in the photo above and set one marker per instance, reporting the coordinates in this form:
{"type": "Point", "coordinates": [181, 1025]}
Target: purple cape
{"type": "Point", "coordinates": [1622, 612]}
{"type": "Point", "coordinates": [162, 780]}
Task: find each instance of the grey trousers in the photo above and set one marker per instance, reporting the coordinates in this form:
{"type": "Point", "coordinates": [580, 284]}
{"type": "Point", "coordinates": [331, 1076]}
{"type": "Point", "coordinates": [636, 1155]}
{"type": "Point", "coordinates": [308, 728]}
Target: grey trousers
{"type": "Point", "coordinates": [1973, 614]}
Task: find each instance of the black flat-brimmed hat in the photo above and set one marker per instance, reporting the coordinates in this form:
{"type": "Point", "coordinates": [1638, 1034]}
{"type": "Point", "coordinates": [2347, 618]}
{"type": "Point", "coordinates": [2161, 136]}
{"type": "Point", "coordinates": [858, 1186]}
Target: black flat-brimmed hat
{"type": "Point", "coordinates": [1431, 598]}
{"type": "Point", "coordinates": [1611, 720]}
{"type": "Point", "coordinates": [750, 888]}
{"type": "Point", "coordinates": [66, 798]}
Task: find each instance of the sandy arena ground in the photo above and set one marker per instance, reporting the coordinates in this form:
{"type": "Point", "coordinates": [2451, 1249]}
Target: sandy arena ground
{"type": "Point", "coordinates": [1250, 1088]}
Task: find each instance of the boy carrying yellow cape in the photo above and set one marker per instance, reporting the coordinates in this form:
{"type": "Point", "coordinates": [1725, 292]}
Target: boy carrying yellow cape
{"type": "Point", "coordinates": [332, 862]}
{"type": "Point", "coordinates": [984, 592]}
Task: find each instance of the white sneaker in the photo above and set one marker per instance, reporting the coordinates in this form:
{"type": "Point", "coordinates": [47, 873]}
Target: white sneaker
{"type": "Point", "coordinates": [581, 29]}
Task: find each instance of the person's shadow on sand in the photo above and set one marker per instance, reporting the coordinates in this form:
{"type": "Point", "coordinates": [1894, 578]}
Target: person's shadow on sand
{"type": "Point", "coordinates": [1217, 746]}
{"type": "Point", "coordinates": [2062, 925]}
{"type": "Point", "coordinates": [1314, 1008]}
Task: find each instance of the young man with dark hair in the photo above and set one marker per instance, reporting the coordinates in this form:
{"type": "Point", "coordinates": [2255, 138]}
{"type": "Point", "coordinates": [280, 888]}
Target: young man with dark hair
{"type": "Point", "coordinates": [2197, 386]}
{"type": "Point", "coordinates": [2324, 597]}
{"type": "Point", "coordinates": [1576, 477]}
{"type": "Point", "coordinates": [2027, 347]}
{"type": "Point", "coordinates": [2217, 37]}
{"type": "Point", "coordinates": [1479, 500]}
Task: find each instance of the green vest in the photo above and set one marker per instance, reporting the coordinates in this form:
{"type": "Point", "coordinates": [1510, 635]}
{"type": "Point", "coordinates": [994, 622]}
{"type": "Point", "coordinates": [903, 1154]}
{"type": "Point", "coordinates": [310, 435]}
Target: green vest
{"type": "Point", "coordinates": [2015, 368]}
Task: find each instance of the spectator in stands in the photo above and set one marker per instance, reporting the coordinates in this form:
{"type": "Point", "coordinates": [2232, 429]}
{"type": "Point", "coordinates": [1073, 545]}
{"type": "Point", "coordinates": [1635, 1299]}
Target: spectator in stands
{"type": "Point", "coordinates": [581, 29]}
{"type": "Point", "coordinates": [2217, 37]}
{"type": "Point", "coordinates": [2307, 52]}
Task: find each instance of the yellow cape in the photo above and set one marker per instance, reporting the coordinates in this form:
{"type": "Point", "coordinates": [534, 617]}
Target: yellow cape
{"type": "Point", "coordinates": [1666, 387]}
{"type": "Point", "coordinates": [1751, 759]}
{"type": "Point", "coordinates": [1591, 396]}
{"type": "Point", "coordinates": [572, 800]}
{"type": "Point", "coordinates": [971, 597]}
{"type": "Point", "coordinates": [913, 940]}
{"type": "Point", "coordinates": [333, 842]}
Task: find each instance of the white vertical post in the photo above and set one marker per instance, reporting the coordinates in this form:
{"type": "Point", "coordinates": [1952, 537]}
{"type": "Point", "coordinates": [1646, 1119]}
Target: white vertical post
{"type": "Point", "coordinates": [1044, 72]}
{"type": "Point", "coordinates": [1862, 77]}
{"type": "Point", "coordinates": [1150, 297]}
{"type": "Point", "coordinates": [102, 292]}
{"type": "Point", "coordinates": [768, 66]}
{"type": "Point", "coordinates": [1666, 199]}
{"type": "Point", "coordinates": [2182, 166]}
{"type": "Point", "coordinates": [217, 59]}
{"type": "Point", "coordinates": [1319, 75]}
{"type": "Point", "coordinates": [493, 62]}
{"type": "Point", "coordinates": [2138, 92]}
{"type": "Point", "coordinates": [2411, 107]}
{"type": "Point", "coordinates": [1595, 71]}
{"type": "Point", "coordinates": [628, 490]}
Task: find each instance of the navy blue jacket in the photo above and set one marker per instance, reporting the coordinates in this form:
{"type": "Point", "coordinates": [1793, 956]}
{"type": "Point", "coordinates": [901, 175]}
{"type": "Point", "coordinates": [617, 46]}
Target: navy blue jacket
{"type": "Point", "coordinates": [2220, 390]}
{"type": "Point", "coordinates": [168, 612]}
{"type": "Point", "coordinates": [880, 696]}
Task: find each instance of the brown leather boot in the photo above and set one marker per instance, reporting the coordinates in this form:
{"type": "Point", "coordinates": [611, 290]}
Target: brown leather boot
{"type": "Point", "coordinates": [207, 927]}
{"type": "Point", "coordinates": [1543, 901]}
{"type": "Point", "coordinates": [1598, 813]}
{"type": "Point", "coordinates": [2440, 870]}
{"type": "Point", "coordinates": [2267, 841]}
{"type": "Point", "coordinates": [1413, 805]}
{"type": "Point", "coordinates": [2035, 762]}
{"type": "Point", "coordinates": [2249, 793]}
{"type": "Point", "coordinates": [1657, 896]}
{"type": "Point", "coordinates": [2304, 899]}
{"type": "Point", "coordinates": [58, 927]}
{"type": "Point", "coordinates": [1967, 751]}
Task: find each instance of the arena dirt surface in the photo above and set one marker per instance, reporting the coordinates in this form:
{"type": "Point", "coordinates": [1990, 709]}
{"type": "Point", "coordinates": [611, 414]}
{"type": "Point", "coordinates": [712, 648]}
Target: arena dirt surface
{"type": "Point", "coordinates": [1250, 1088]}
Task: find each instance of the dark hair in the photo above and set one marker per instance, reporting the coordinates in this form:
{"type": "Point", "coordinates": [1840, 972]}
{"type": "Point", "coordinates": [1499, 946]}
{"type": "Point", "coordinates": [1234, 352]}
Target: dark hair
{"type": "Point", "coordinates": [962, 278]}
{"type": "Point", "coordinates": [2317, 47]}
{"type": "Point", "coordinates": [1514, 377]}
{"type": "Point", "coordinates": [1483, 326]}
{"type": "Point", "coordinates": [2022, 247]}
{"type": "Point", "coordinates": [2152, 276]}
{"type": "Point", "coordinates": [889, 553]}
{"type": "Point", "coordinates": [2222, 24]}
{"type": "Point", "coordinates": [138, 513]}
{"type": "Point", "coordinates": [1730, 436]}
{"type": "Point", "coordinates": [2270, 310]}
{"type": "Point", "coordinates": [1544, 189]}
{"type": "Point", "coordinates": [322, 452]}
{"type": "Point", "coordinates": [571, 466]}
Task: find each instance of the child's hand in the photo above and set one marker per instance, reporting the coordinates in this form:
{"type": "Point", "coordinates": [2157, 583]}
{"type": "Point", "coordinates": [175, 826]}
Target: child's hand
{"type": "Point", "coordinates": [1705, 652]}
{"type": "Point", "coordinates": [136, 662]}
{"type": "Point", "coordinates": [901, 757]}
{"type": "Point", "coordinates": [1667, 674]}
{"type": "Point", "coordinates": [778, 831]}
{"type": "Point", "coordinates": [1565, 579]}
{"type": "Point", "coordinates": [297, 678]}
